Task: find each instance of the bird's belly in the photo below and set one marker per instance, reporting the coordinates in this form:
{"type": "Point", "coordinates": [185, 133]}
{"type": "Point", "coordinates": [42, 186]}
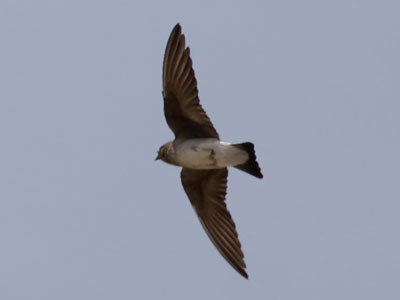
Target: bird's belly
{"type": "Point", "coordinates": [209, 154]}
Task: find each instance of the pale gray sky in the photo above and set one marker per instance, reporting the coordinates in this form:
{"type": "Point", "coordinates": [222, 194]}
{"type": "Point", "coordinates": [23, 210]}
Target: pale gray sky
{"type": "Point", "coordinates": [86, 213]}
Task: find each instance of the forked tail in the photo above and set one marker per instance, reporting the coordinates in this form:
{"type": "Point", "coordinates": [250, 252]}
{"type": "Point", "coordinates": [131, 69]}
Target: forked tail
{"type": "Point", "coordinates": [250, 166]}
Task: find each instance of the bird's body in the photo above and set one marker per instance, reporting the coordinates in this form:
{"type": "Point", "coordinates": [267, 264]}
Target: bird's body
{"type": "Point", "coordinates": [198, 150]}
{"type": "Point", "coordinates": [205, 154]}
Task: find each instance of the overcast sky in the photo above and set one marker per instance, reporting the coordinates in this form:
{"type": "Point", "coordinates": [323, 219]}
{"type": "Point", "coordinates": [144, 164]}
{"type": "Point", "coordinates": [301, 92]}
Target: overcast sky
{"type": "Point", "coordinates": [85, 211]}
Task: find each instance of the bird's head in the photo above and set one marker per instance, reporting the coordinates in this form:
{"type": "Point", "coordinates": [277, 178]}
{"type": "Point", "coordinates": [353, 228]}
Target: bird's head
{"type": "Point", "coordinates": [164, 153]}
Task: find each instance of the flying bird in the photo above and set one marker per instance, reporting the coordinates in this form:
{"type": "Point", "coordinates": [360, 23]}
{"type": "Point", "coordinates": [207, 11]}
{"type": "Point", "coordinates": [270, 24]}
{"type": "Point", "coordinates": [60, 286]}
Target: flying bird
{"type": "Point", "coordinates": [197, 148]}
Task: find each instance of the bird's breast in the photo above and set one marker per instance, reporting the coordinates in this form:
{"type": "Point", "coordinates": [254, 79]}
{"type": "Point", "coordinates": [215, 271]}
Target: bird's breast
{"type": "Point", "coordinates": [208, 154]}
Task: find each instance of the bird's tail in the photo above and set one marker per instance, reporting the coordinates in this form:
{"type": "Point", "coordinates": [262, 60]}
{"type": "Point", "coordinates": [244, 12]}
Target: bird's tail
{"type": "Point", "coordinates": [251, 165]}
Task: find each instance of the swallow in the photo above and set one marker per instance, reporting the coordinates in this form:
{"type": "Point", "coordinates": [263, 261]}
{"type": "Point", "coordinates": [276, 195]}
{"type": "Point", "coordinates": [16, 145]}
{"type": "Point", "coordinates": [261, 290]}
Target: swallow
{"type": "Point", "coordinates": [197, 148]}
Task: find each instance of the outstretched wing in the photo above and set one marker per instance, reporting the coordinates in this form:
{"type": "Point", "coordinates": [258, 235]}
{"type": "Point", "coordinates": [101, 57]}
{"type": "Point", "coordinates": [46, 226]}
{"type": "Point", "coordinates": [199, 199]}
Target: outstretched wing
{"type": "Point", "coordinates": [183, 112]}
{"type": "Point", "coordinates": [206, 190]}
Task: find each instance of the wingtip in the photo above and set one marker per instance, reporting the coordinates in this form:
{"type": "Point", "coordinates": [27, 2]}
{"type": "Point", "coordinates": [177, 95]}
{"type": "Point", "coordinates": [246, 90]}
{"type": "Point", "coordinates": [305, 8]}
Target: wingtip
{"type": "Point", "coordinates": [176, 31]}
{"type": "Point", "coordinates": [241, 269]}
{"type": "Point", "coordinates": [245, 275]}
{"type": "Point", "coordinates": [242, 272]}
{"type": "Point", "coordinates": [177, 26]}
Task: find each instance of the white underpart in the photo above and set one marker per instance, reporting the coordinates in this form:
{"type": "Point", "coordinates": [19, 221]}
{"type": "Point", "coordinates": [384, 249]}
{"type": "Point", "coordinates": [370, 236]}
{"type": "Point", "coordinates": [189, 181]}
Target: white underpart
{"type": "Point", "coordinates": [209, 154]}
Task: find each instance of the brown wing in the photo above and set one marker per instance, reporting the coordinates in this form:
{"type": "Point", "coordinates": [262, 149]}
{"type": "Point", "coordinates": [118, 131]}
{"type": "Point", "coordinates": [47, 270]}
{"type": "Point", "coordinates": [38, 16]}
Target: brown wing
{"type": "Point", "coordinates": [182, 108]}
{"type": "Point", "coordinates": [206, 190]}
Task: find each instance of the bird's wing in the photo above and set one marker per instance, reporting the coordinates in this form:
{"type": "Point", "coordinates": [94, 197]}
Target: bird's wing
{"type": "Point", "coordinates": [206, 190]}
{"type": "Point", "coordinates": [182, 109]}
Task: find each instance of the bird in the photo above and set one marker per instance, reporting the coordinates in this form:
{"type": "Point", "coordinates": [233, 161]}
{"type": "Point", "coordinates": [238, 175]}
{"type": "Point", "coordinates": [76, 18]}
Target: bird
{"type": "Point", "coordinates": [198, 150]}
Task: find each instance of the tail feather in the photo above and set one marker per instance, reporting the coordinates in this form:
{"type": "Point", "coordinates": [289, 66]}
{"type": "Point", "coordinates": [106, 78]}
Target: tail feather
{"type": "Point", "coordinates": [251, 165]}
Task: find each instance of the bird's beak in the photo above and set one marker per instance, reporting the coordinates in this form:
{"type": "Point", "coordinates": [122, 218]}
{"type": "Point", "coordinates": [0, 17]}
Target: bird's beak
{"type": "Point", "coordinates": [158, 157]}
